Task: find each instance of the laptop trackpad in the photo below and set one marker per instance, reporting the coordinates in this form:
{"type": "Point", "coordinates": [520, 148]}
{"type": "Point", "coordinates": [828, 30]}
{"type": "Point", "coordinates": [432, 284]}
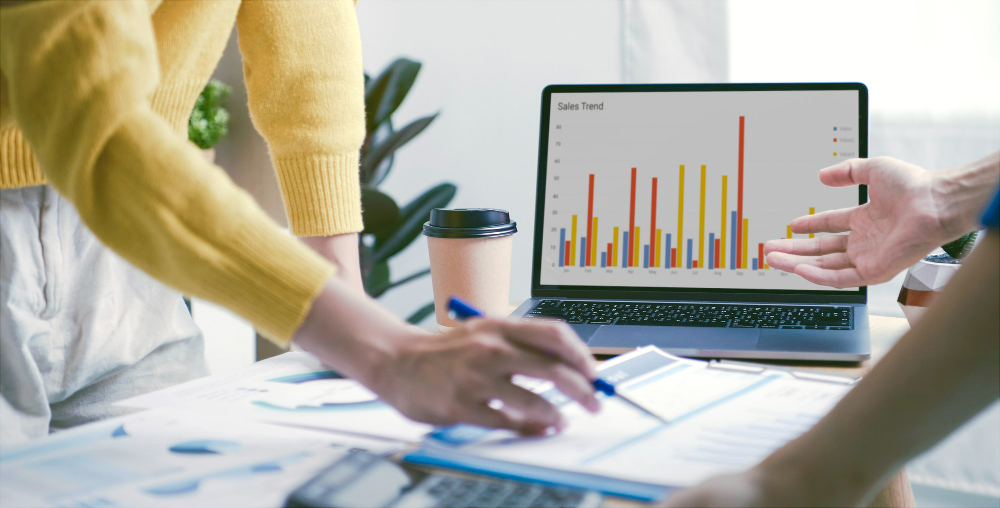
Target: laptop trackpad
{"type": "Point", "coordinates": [676, 337]}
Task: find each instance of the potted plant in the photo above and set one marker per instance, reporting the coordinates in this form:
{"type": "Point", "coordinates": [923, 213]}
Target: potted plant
{"type": "Point", "coordinates": [927, 278]}
{"type": "Point", "coordinates": [390, 228]}
{"type": "Point", "coordinates": [209, 120]}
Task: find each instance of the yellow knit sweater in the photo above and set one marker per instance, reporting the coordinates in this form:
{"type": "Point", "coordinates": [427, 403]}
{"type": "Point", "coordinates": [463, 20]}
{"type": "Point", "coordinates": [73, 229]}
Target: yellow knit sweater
{"type": "Point", "coordinates": [94, 100]}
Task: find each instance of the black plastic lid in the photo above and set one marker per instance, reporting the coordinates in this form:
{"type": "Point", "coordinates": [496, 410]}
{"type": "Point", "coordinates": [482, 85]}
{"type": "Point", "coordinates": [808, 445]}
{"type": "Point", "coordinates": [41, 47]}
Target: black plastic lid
{"type": "Point", "coordinates": [469, 223]}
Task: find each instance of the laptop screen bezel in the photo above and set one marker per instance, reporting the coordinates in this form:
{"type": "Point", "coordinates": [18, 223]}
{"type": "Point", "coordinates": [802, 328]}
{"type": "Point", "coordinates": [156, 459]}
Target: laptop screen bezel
{"type": "Point", "coordinates": [672, 293]}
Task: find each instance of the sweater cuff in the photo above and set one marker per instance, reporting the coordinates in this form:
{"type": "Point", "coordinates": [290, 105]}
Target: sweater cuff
{"type": "Point", "coordinates": [280, 279]}
{"type": "Point", "coordinates": [322, 193]}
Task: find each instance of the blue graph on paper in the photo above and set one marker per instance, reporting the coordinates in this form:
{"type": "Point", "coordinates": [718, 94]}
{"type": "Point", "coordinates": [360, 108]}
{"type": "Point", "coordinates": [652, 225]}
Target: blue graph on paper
{"type": "Point", "coordinates": [243, 473]}
{"type": "Point", "coordinates": [308, 377]}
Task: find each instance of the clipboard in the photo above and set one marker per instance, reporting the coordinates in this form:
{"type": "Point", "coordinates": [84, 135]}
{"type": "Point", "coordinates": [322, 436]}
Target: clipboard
{"type": "Point", "coordinates": [720, 417]}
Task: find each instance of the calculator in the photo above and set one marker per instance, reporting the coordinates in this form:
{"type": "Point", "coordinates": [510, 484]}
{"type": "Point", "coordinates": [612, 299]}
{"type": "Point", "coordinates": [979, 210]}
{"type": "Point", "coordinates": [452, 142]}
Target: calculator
{"type": "Point", "coordinates": [361, 478]}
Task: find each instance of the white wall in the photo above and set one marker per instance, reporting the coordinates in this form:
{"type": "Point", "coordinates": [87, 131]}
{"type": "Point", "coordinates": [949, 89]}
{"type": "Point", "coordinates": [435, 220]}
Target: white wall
{"type": "Point", "coordinates": [485, 64]}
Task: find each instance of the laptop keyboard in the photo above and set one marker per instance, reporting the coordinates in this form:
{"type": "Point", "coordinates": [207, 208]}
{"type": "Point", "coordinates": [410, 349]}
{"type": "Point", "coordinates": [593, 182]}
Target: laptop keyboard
{"type": "Point", "coordinates": [807, 317]}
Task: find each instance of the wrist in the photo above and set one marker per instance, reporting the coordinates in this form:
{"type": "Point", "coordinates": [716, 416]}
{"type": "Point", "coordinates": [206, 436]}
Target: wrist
{"type": "Point", "coordinates": [342, 252]}
{"type": "Point", "coordinates": [962, 193]}
{"type": "Point", "coordinates": [350, 333]}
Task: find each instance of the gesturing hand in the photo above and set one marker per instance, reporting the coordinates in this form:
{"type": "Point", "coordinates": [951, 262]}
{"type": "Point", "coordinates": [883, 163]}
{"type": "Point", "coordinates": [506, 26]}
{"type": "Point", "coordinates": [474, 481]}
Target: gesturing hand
{"type": "Point", "coordinates": [902, 222]}
{"type": "Point", "coordinates": [453, 377]}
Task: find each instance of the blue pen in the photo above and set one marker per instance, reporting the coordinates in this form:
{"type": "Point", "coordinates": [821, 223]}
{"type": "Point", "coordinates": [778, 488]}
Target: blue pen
{"type": "Point", "coordinates": [460, 311]}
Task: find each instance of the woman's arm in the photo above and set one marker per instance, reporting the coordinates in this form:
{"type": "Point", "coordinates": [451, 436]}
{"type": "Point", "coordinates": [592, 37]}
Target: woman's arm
{"type": "Point", "coordinates": [302, 63]}
{"type": "Point", "coordinates": [78, 77]}
{"type": "Point", "coordinates": [938, 376]}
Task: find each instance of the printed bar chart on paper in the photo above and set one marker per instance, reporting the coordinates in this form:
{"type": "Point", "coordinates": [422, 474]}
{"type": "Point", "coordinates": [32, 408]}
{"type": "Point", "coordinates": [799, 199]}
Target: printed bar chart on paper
{"type": "Point", "coordinates": [684, 189]}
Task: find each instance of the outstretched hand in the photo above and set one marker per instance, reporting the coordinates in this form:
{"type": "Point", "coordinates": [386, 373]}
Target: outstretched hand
{"type": "Point", "coordinates": [902, 222]}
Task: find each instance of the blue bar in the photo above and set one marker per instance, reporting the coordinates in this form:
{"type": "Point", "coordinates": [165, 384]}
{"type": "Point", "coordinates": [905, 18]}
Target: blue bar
{"type": "Point", "coordinates": [624, 250]}
{"type": "Point", "coordinates": [666, 251]}
{"type": "Point", "coordinates": [604, 259]}
{"type": "Point", "coordinates": [645, 256]}
{"type": "Point", "coordinates": [711, 251]}
{"type": "Point", "coordinates": [562, 246]}
{"type": "Point", "coordinates": [732, 244]}
{"type": "Point", "coordinates": [690, 248]}
{"type": "Point", "coordinates": [754, 263]}
{"type": "Point", "coordinates": [583, 250]}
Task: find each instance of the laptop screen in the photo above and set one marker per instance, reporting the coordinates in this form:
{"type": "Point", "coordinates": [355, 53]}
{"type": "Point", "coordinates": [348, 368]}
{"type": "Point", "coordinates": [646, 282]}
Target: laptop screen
{"type": "Point", "coordinates": [679, 187]}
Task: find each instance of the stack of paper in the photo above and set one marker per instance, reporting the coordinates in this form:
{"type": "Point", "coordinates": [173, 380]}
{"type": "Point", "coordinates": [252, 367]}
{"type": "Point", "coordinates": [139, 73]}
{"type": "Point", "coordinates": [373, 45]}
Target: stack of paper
{"type": "Point", "coordinates": [169, 458]}
{"type": "Point", "coordinates": [291, 389]}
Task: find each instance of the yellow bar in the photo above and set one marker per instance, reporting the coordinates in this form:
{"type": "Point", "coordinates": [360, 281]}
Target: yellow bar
{"type": "Point", "coordinates": [656, 254]}
{"type": "Point", "coordinates": [722, 239]}
{"type": "Point", "coordinates": [680, 217]}
{"type": "Point", "coordinates": [766, 267]}
{"type": "Point", "coordinates": [701, 223]}
{"type": "Point", "coordinates": [593, 245]}
{"type": "Point", "coordinates": [789, 231]}
{"type": "Point", "coordinates": [812, 211]}
{"type": "Point", "coordinates": [746, 235]}
{"type": "Point", "coordinates": [614, 250]}
{"type": "Point", "coordinates": [635, 248]}
{"type": "Point", "coordinates": [572, 244]}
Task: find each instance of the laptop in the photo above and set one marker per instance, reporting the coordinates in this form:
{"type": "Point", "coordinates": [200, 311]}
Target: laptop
{"type": "Point", "coordinates": [654, 203]}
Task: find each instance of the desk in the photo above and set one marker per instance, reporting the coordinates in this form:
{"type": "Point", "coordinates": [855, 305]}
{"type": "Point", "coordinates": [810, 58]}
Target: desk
{"type": "Point", "coordinates": [884, 333]}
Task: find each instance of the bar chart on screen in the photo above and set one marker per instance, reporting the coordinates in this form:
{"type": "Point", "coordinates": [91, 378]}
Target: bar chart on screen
{"type": "Point", "coordinates": [684, 189]}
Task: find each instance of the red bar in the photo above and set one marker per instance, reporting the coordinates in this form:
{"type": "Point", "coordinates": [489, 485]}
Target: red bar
{"type": "Point", "coordinates": [652, 229]}
{"type": "Point", "coordinates": [760, 256]}
{"type": "Point", "coordinates": [739, 205]}
{"type": "Point", "coordinates": [717, 248]}
{"type": "Point", "coordinates": [673, 257]}
{"type": "Point", "coordinates": [631, 222]}
{"type": "Point", "coordinates": [590, 221]}
{"type": "Point", "coordinates": [567, 253]}
{"type": "Point", "coordinates": [694, 264]}
{"type": "Point", "coordinates": [611, 262]}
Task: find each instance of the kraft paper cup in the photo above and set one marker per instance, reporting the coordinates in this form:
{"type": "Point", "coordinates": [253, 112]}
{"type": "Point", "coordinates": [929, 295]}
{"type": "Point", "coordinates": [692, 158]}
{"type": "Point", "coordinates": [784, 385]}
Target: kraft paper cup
{"type": "Point", "coordinates": [470, 253]}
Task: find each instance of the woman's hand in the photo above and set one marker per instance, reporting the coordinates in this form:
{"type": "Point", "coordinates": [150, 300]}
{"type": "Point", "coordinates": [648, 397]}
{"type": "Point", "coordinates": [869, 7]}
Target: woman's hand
{"type": "Point", "coordinates": [453, 377]}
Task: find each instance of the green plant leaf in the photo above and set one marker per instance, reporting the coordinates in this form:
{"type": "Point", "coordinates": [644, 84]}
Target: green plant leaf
{"type": "Point", "coordinates": [379, 276]}
{"type": "Point", "coordinates": [209, 118]}
{"type": "Point", "coordinates": [376, 292]}
{"type": "Point", "coordinates": [411, 220]}
{"type": "Point", "coordinates": [384, 131]}
{"type": "Point", "coordinates": [421, 314]}
{"type": "Point", "coordinates": [957, 249]}
{"type": "Point", "coordinates": [370, 163]}
{"type": "Point", "coordinates": [384, 95]}
{"type": "Point", "coordinates": [378, 211]}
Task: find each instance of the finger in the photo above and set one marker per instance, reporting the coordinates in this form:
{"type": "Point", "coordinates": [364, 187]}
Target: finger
{"type": "Point", "coordinates": [831, 221]}
{"type": "Point", "coordinates": [483, 415]}
{"type": "Point", "coordinates": [842, 278]}
{"type": "Point", "coordinates": [789, 262]}
{"type": "Point", "coordinates": [532, 410]}
{"type": "Point", "coordinates": [556, 339]}
{"type": "Point", "coordinates": [567, 380]}
{"type": "Point", "coordinates": [849, 172]}
{"type": "Point", "coordinates": [808, 246]}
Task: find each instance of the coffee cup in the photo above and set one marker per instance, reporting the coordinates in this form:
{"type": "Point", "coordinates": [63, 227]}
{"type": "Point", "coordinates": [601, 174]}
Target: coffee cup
{"type": "Point", "coordinates": [470, 252]}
